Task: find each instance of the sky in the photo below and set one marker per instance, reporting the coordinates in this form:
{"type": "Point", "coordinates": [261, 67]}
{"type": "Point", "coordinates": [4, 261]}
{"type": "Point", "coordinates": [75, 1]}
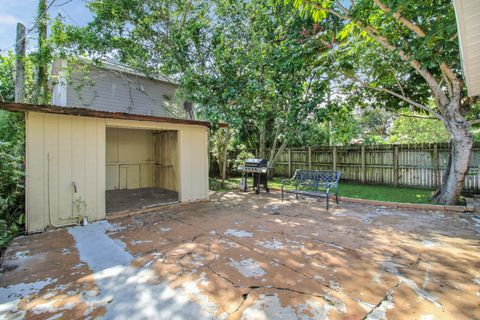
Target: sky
{"type": "Point", "coordinates": [25, 11]}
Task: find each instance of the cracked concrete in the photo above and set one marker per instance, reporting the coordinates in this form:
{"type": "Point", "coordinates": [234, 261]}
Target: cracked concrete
{"type": "Point", "coordinates": [231, 258]}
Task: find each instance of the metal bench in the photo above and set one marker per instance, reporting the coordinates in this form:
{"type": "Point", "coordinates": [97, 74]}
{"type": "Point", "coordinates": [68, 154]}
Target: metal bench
{"type": "Point", "coordinates": [313, 183]}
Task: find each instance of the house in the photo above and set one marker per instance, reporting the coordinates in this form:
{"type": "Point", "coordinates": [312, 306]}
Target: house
{"type": "Point", "coordinates": [121, 147]}
{"type": "Point", "coordinates": [468, 23]}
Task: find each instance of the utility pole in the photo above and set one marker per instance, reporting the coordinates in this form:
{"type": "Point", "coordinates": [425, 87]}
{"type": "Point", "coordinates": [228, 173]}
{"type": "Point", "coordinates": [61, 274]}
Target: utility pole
{"type": "Point", "coordinates": [42, 76]}
{"type": "Point", "coordinates": [20, 64]}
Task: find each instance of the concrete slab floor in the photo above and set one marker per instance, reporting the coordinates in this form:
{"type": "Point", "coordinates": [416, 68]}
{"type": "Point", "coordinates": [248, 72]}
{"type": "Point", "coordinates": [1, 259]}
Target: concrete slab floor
{"type": "Point", "coordinates": [121, 200]}
{"type": "Point", "coordinates": [242, 256]}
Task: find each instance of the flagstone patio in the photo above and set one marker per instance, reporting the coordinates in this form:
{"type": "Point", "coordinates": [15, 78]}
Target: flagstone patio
{"type": "Point", "coordinates": [242, 256]}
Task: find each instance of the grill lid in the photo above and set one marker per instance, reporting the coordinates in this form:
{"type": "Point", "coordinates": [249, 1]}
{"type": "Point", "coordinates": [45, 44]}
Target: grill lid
{"type": "Point", "coordinates": [256, 163]}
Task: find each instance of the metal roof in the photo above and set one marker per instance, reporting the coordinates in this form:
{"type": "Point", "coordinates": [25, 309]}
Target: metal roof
{"type": "Point", "coordinates": [25, 107]}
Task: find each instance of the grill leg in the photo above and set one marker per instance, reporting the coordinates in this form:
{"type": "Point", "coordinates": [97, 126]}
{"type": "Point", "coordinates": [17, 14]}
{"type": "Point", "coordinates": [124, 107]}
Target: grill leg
{"type": "Point", "coordinates": [282, 193]}
{"type": "Point", "coordinates": [328, 201]}
{"type": "Point", "coordinates": [336, 198]}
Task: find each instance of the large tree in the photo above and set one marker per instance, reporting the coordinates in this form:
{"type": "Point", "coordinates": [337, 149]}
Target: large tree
{"type": "Point", "coordinates": [242, 62]}
{"type": "Point", "coordinates": [405, 53]}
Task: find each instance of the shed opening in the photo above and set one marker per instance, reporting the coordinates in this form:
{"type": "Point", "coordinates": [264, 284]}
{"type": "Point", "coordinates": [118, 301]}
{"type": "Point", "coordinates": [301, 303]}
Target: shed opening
{"type": "Point", "coordinates": [141, 168]}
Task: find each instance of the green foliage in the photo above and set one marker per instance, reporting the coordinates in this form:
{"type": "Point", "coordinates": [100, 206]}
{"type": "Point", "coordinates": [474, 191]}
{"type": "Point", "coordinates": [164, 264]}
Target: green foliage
{"type": "Point", "coordinates": [7, 78]}
{"type": "Point", "coordinates": [243, 62]}
{"type": "Point", "coordinates": [410, 129]}
{"type": "Point", "coordinates": [11, 175]}
{"type": "Point", "coordinates": [12, 128]}
{"type": "Point", "coordinates": [7, 74]}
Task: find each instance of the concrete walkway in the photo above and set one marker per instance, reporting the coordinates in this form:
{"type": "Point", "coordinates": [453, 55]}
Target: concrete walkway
{"type": "Point", "coordinates": [242, 256]}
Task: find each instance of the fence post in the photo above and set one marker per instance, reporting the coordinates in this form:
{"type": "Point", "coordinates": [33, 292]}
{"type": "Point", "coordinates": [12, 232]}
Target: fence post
{"type": "Point", "coordinates": [364, 163]}
{"type": "Point", "coordinates": [436, 166]}
{"type": "Point", "coordinates": [309, 158]}
{"type": "Point", "coordinates": [334, 158]}
{"type": "Point", "coordinates": [395, 165]}
{"type": "Point", "coordinates": [289, 162]}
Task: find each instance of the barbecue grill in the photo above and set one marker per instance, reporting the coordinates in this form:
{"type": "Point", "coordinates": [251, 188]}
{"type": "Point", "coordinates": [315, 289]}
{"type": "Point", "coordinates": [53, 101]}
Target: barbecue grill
{"type": "Point", "coordinates": [258, 168]}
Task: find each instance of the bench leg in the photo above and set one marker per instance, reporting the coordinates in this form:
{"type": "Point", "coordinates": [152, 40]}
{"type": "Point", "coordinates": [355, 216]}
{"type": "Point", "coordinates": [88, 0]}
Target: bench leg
{"type": "Point", "coordinates": [282, 193]}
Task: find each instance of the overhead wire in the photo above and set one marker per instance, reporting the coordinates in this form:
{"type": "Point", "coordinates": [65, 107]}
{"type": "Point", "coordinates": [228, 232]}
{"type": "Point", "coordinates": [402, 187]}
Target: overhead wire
{"type": "Point", "coordinates": [37, 19]}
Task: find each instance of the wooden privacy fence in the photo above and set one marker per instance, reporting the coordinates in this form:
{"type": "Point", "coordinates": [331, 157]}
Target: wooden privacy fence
{"type": "Point", "coordinates": [415, 165]}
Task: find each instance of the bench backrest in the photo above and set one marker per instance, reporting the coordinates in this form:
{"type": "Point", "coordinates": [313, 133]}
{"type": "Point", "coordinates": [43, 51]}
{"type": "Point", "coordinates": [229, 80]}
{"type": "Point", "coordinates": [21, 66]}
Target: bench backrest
{"type": "Point", "coordinates": [302, 175]}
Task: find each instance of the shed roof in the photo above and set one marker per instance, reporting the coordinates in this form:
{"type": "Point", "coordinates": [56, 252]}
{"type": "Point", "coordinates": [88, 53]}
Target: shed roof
{"type": "Point", "coordinates": [25, 107]}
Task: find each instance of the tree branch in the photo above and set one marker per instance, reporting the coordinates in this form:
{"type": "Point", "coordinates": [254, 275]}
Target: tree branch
{"type": "Point", "coordinates": [376, 35]}
{"type": "Point", "coordinates": [410, 101]}
{"type": "Point", "coordinates": [404, 21]}
{"type": "Point", "coordinates": [473, 122]}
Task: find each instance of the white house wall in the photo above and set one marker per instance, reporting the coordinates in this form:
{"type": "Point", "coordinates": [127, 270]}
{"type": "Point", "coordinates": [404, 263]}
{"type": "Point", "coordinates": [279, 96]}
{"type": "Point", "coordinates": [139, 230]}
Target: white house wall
{"type": "Point", "coordinates": [109, 90]}
{"type": "Point", "coordinates": [63, 149]}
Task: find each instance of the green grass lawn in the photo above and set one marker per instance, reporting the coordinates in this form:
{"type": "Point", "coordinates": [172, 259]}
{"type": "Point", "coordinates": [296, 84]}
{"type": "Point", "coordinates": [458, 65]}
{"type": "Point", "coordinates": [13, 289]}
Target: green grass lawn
{"type": "Point", "coordinates": [351, 190]}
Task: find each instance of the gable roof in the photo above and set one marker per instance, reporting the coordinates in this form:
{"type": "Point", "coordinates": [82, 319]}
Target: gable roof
{"type": "Point", "coordinates": [25, 107]}
{"type": "Point", "coordinates": [116, 66]}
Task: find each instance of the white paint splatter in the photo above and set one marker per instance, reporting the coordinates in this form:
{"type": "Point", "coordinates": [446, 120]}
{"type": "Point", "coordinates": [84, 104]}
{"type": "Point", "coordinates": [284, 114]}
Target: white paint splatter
{"type": "Point", "coordinates": [48, 307]}
{"type": "Point", "coordinates": [273, 244]}
{"type": "Point", "coordinates": [238, 233]}
{"type": "Point", "coordinates": [380, 312]}
{"type": "Point", "coordinates": [10, 296]}
{"type": "Point", "coordinates": [429, 244]}
{"type": "Point", "coordinates": [125, 291]}
{"type": "Point", "coordinates": [392, 268]}
{"type": "Point", "coordinates": [248, 268]}
{"type": "Point", "coordinates": [477, 280]}
{"type": "Point", "coordinates": [135, 242]}
{"type": "Point", "coordinates": [165, 229]}
{"type": "Point", "coordinates": [269, 307]}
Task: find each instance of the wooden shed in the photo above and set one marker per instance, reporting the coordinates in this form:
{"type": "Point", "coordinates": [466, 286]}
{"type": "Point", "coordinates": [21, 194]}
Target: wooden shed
{"type": "Point", "coordinates": [87, 163]}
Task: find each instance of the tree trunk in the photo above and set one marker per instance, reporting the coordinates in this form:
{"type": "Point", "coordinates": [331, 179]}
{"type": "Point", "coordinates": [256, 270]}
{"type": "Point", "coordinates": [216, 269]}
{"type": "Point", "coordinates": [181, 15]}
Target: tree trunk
{"type": "Point", "coordinates": [274, 157]}
{"type": "Point", "coordinates": [459, 162]}
{"type": "Point", "coordinates": [263, 140]}
{"type": "Point", "coordinates": [223, 155]}
{"type": "Point", "coordinates": [20, 64]}
{"type": "Point", "coordinates": [42, 73]}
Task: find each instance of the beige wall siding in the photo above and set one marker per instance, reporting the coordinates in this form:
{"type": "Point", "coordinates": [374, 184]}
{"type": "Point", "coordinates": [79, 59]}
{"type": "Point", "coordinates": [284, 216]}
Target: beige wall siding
{"type": "Point", "coordinates": [166, 160]}
{"type": "Point", "coordinates": [130, 159]}
{"type": "Point", "coordinates": [193, 155]}
{"type": "Point", "coordinates": [109, 90]}
{"type": "Point", "coordinates": [61, 150]}
{"type": "Point", "coordinates": [64, 149]}
{"type": "Point", "coordinates": [194, 164]}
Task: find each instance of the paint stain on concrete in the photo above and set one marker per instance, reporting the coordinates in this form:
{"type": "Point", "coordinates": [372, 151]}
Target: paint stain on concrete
{"type": "Point", "coordinates": [392, 268]}
{"type": "Point", "coordinates": [10, 296]}
{"type": "Point", "coordinates": [248, 268]}
{"type": "Point", "coordinates": [125, 291]}
{"type": "Point", "coordinates": [380, 311]}
{"type": "Point", "coordinates": [273, 244]}
{"type": "Point", "coordinates": [269, 307]}
{"type": "Point", "coordinates": [238, 233]}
